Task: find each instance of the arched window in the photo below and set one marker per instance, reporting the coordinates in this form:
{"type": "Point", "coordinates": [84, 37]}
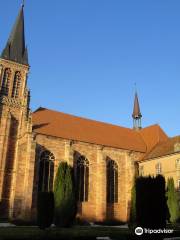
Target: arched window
{"type": "Point", "coordinates": [16, 84]}
{"type": "Point", "coordinates": [112, 181]}
{"type": "Point", "coordinates": [6, 81]}
{"type": "Point", "coordinates": [82, 179]}
{"type": "Point", "coordinates": [46, 172]}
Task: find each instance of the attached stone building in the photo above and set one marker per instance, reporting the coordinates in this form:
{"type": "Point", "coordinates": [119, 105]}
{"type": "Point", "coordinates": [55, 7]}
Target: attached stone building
{"type": "Point", "coordinates": [163, 159]}
{"type": "Point", "coordinates": [104, 156]}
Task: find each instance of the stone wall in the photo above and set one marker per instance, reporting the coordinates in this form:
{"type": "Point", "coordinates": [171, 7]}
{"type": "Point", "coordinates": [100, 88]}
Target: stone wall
{"type": "Point", "coordinates": [15, 144]}
{"type": "Point", "coordinates": [169, 167]}
{"type": "Point", "coordinates": [96, 208]}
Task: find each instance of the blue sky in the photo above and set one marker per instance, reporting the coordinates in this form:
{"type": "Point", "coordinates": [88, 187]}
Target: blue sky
{"type": "Point", "coordinates": [86, 55]}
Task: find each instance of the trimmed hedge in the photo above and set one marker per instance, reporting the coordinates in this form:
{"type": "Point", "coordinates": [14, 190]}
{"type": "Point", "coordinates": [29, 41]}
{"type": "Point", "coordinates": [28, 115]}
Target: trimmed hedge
{"type": "Point", "coordinates": [151, 206]}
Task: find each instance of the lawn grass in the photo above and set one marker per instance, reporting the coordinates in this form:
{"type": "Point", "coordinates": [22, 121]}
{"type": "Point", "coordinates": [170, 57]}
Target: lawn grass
{"type": "Point", "coordinates": [19, 233]}
{"type": "Point", "coordinates": [77, 233]}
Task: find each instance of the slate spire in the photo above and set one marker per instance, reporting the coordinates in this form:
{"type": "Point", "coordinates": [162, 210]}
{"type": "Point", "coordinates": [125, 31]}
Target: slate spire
{"type": "Point", "coordinates": [15, 49]}
{"type": "Point", "coordinates": [136, 113]}
{"type": "Point", "coordinates": [136, 110]}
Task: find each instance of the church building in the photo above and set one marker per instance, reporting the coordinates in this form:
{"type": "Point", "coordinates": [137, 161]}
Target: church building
{"type": "Point", "coordinates": [105, 157]}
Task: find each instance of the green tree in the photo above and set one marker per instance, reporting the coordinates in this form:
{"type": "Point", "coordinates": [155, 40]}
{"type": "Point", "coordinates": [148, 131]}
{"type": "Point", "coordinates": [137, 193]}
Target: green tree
{"type": "Point", "coordinates": [64, 196]}
{"type": "Point", "coordinates": [172, 201]}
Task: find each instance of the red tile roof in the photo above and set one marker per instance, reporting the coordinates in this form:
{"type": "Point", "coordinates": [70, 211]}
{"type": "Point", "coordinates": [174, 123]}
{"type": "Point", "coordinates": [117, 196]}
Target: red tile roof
{"type": "Point", "coordinates": [164, 148]}
{"type": "Point", "coordinates": [152, 136]}
{"type": "Point", "coordinates": [58, 124]}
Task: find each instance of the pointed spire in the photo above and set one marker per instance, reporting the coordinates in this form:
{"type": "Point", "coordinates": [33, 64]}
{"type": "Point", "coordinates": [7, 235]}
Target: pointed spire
{"type": "Point", "coordinates": [15, 49]}
{"type": "Point", "coordinates": [136, 113]}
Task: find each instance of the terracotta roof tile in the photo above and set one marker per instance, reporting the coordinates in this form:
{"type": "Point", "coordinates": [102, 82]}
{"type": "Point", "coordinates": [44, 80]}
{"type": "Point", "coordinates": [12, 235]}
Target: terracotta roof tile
{"type": "Point", "coordinates": [58, 124]}
{"type": "Point", "coordinates": [152, 135]}
{"type": "Point", "coordinates": [167, 147]}
{"type": "Point", "coordinates": [66, 126]}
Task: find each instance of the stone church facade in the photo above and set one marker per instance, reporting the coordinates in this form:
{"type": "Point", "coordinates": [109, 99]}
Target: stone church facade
{"type": "Point", "coordinates": [105, 157]}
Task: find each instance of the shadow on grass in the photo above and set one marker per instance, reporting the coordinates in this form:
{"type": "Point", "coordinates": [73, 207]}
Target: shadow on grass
{"type": "Point", "coordinates": [78, 232]}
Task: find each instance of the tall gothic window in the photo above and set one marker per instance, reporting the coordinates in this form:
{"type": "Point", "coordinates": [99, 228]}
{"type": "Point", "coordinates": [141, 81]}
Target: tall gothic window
{"type": "Point", "coordinates": [6, 81]}
{"type": "Point", "coordinates": [82, 179]}
{"type": "Point", "coordinates": [46, 172]}
{"type": "Point", "coordinates": [16, 84]}
{"type": "Point", "coordinates": [112, 181]}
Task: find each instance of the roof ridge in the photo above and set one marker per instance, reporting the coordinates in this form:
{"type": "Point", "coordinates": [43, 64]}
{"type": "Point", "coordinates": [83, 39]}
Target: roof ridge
{"type": "Point", "coordinates": [153, 125]}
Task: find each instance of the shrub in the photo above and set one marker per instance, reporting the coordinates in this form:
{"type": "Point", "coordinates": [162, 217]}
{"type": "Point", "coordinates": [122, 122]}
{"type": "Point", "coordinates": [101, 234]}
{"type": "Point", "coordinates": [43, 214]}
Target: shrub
{"type": "Point", "coordinates": [151, 207]}
{"type": "Point", "coordinates": [45, 209]}
{"type": "Point", "coordinates": [64, 196]}
{"type": "Point", "coordinates": [172, 201]}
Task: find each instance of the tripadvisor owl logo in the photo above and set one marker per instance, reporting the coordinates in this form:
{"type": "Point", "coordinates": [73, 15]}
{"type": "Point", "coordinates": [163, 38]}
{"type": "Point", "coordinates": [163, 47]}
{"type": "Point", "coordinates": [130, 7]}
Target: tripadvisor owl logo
{"type": "Point", "coordinates": [138, 231]}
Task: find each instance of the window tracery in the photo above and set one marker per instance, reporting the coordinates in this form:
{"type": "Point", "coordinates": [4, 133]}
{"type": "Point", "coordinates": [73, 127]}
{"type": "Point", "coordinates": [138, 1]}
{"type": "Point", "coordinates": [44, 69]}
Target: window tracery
{"type": "Point", "coordinates": [46, 172]}
{"type": "Point", "coordinates": [16, 84]}
{"type": "Point", "coordinates": [82, 179]}
{"type": "Point", "coordinates": [6, 81]}
{"type": "Point", "coordinates": [112, 181]}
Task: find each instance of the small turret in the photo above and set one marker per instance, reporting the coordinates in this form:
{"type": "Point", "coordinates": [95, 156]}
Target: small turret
{"type": "Point", "coordinates": [136, 113]}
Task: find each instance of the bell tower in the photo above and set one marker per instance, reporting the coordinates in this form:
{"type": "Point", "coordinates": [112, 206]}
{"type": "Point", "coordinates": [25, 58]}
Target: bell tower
{"type": "Point", "coordinates": [15, 122]}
